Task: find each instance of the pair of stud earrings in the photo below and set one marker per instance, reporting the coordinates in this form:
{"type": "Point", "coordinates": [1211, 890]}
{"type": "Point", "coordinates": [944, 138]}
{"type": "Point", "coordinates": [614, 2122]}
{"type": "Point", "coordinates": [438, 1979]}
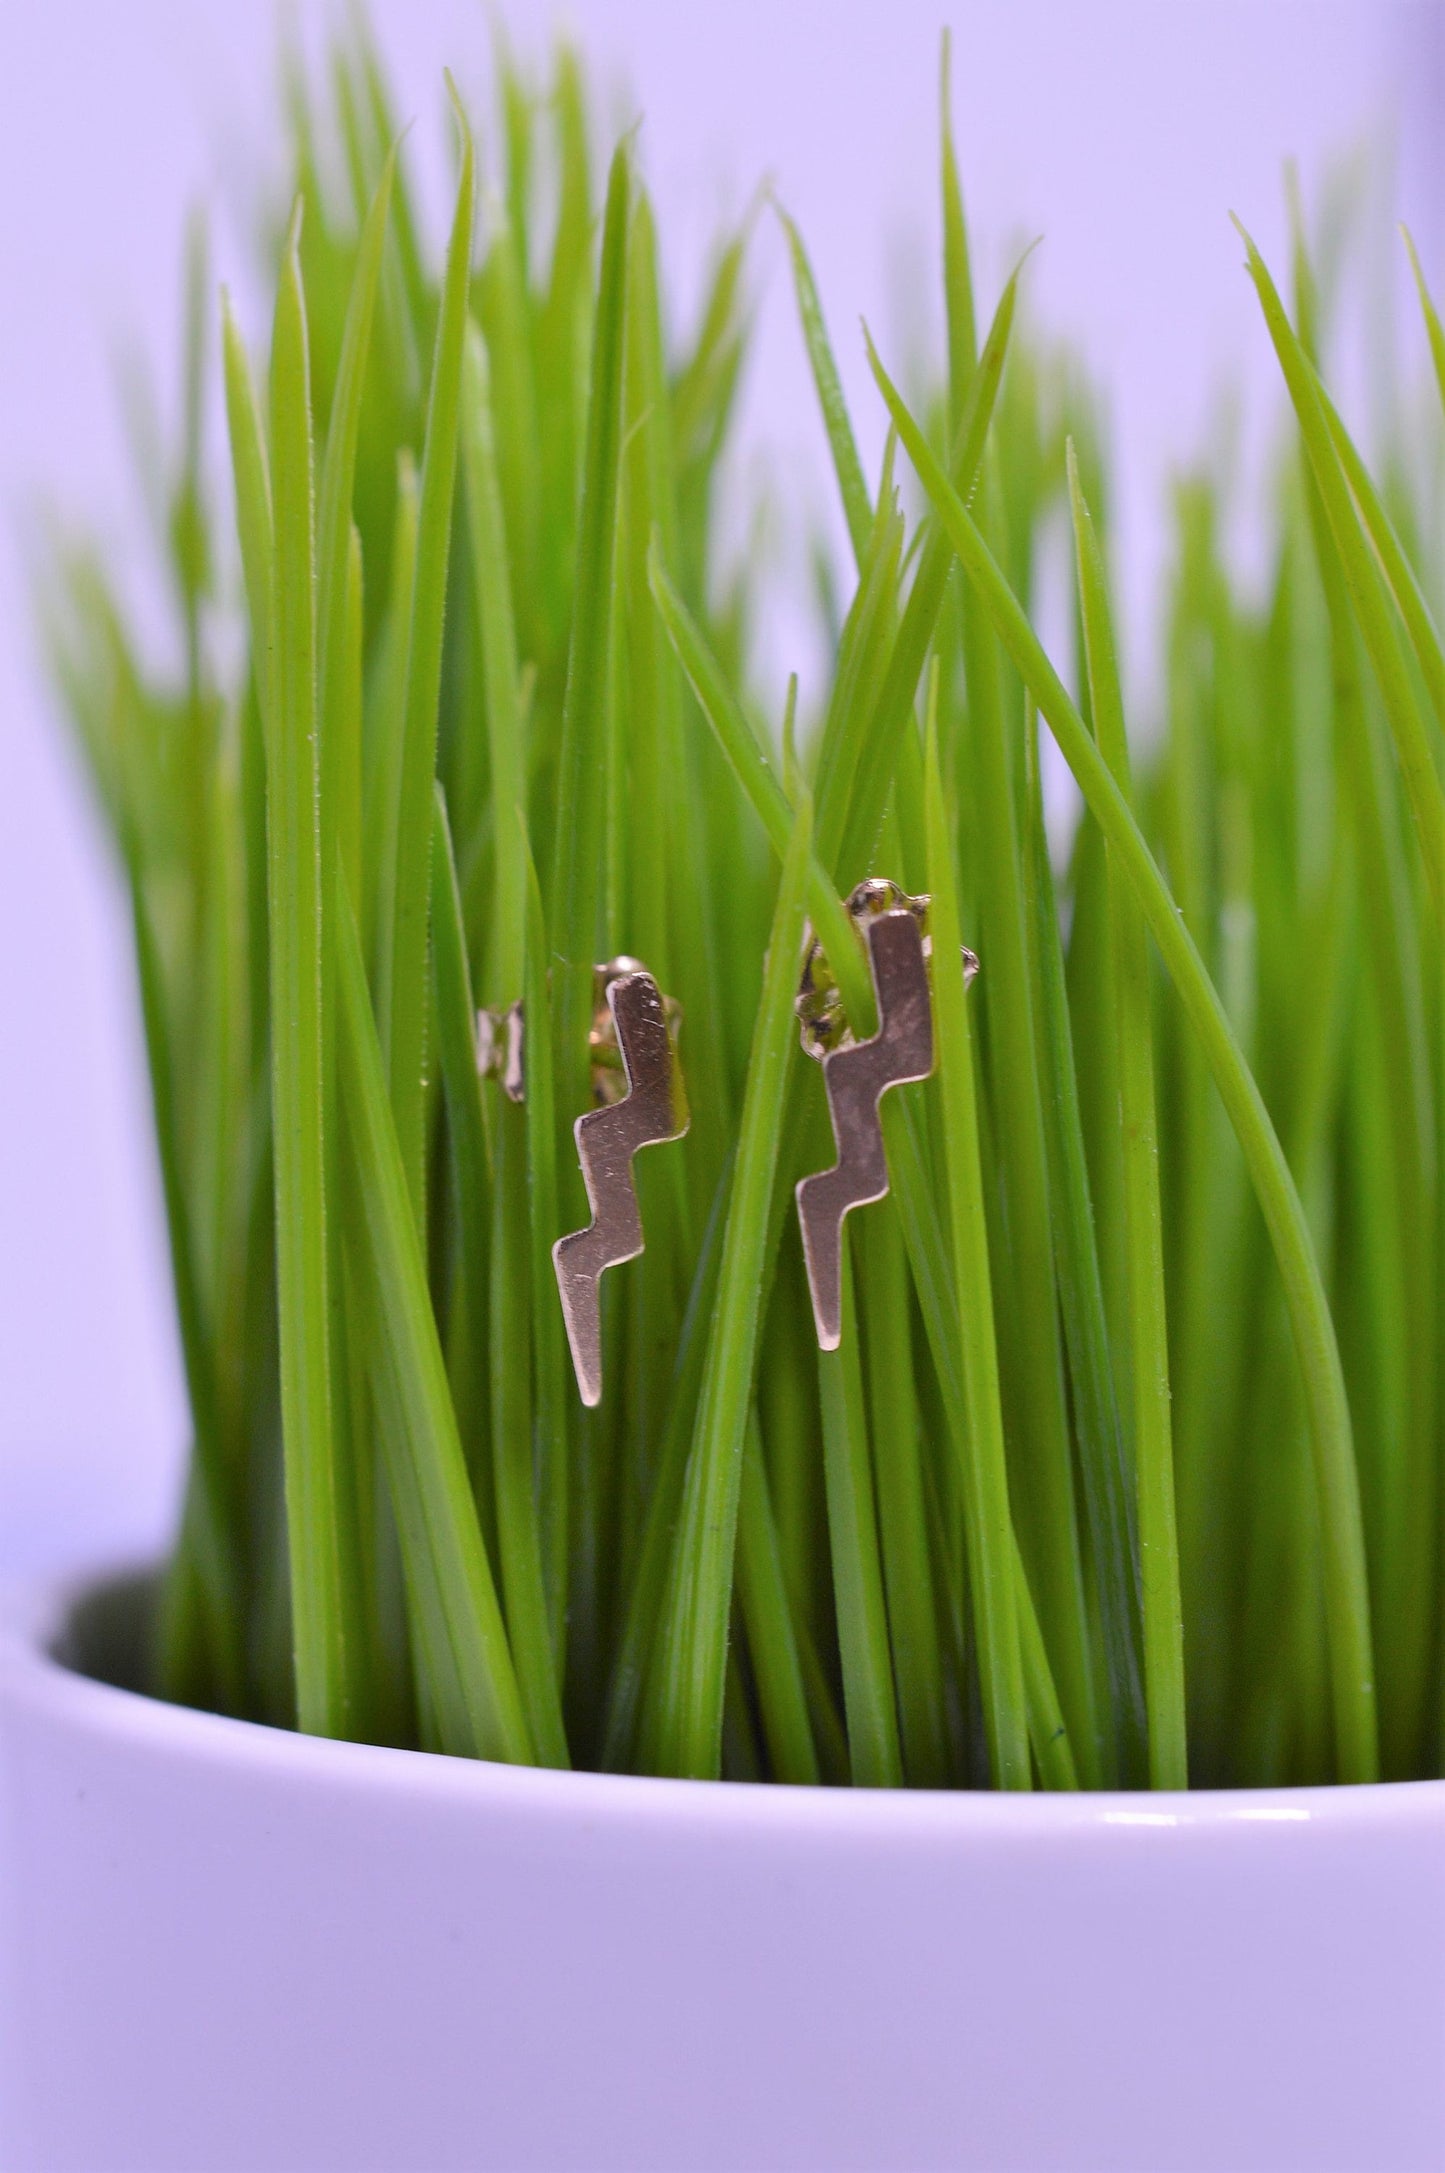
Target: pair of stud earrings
{"type": "Point", "coordinates": [637, 1081]}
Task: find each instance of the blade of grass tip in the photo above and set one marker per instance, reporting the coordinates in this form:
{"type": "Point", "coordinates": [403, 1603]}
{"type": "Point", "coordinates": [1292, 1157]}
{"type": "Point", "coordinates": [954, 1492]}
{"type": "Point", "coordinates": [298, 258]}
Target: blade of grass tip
{"type": "Point", "coordinates": [957, 271]}
{"type": "Point", "coordinates": [321, 1607]}
{"type": "Point", "coordinates": [862, 661]}
{"type": "Point", "coordinates": [989, 1532]}
{"type": "Point", "coordinates": [1335, 1475]}
{"type": "Point", "coordinates": [868, 1697]}
{"type": "Point", "coordinates": [490, 573]}
{"type": "Point", "coordinates": [1103, 1461]}
{"type": "Point", "coordinates": [684, 1731]}
{"type": "Point", "coordinates": [384, 129]}
{"type": "Point", "coordinates": [340, 722]}
{"type": "Point", "coordinates": [1148, 1333]}
{"type": "Point", "coordinates": [847, 467]}
{"type": "Point", "coordinates": [925, 599]}
{"type": "Point", "coordinates": [1388, 911]}
{"type": "Point", "coordinates": [358, 149]}
{"type": "Point", "coordinates": [189, 536]}
{"type": "Point", "coordinates": [468, 1679]}
{"type": "Point", "coordinates": [581, 779]}
{"type": "Point", "coordinates": [753, 771]}
{"type": "Point", "coordinates": [1433, 330]}
{"type": "Point", "coordinates": [686, 901]}
{"type": "Point", "coordinates": [1399, 573]}
{"type": "Point", "coordinates": [563, 329]}
{"type": "Point", "coordinates": [550, 1366]}
{"type": "Point", "coordinates": [519, 1542]}
{"type": "Point", "coordinates": [642, 718]}
{"type": "Point", "coordinates": [767, 1618]}
{"type": "Point", "coordinates": [1366, 585]}
{"type": "Point", "coordinates": [402, 974]}
{"type": "Point", "coordinates": [518, 132]}
{"type": "Point", "coordinates": [503, 308]}
{"type": "Point", "coordinates": [250, 468]}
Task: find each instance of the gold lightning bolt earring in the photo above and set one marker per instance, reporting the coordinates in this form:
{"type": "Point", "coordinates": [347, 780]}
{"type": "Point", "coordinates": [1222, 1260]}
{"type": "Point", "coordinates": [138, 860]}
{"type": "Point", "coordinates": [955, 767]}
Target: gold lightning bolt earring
{"type": "Point", "coordinates": [637, 1082]}
{"type": "Point", "coordinates": [856, 1075]}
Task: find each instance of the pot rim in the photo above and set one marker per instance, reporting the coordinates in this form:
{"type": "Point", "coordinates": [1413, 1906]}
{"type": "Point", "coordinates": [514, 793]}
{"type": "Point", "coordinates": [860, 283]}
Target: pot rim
{"type": "Point", "coordinates": [37, 1682]}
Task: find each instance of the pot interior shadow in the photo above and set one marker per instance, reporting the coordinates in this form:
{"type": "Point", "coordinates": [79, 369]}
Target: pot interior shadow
{"type": "Point", "coordinates": [109, 1633]}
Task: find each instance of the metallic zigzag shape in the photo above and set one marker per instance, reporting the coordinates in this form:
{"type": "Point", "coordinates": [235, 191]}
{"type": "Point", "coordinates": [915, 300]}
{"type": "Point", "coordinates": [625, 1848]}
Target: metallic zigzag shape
{"type": "Point", "coordinates": [654, 1109]}
{"type": "Point", "coordinates": [855, 1078]}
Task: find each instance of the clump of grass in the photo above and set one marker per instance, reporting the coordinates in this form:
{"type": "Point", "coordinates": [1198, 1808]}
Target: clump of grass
{"type": "Point", "coordinates": [1127, 1471]}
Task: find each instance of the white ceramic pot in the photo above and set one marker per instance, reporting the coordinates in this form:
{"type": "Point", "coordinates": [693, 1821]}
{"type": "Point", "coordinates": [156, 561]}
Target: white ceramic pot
{"type": "Point", "coordinates": [225, 1946]}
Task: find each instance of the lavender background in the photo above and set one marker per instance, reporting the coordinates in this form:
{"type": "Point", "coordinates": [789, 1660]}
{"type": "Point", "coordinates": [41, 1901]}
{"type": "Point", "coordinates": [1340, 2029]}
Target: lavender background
{"type": "Point", "coordinates": [1122, 133]}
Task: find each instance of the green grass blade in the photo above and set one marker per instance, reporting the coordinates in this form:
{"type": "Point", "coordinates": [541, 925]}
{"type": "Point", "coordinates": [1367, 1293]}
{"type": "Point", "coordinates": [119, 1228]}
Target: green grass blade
{"type": "Point", "coordinates": [957, 271]}
{"type": "Point", "coordinates": [518, 1527]}
{"type": "Point", "coordinates": [1148, 1337]}
{"type": "Point", "coordinates": [320, 1607]}
{"type": "Point", "coordinates": [1366, 585]}
{"type": "Point", "coordinates": [1040, 1716]}
{"type": "Point", "coordinates": [868, 1699]}
{"type": "Point", "coordinates": [913, 1613]}
{"type": "Point", "coordinates": [386, 735]}
{"type": "Point", "coordinates": [1433, 330]}
{"type": "Point", "coordinates": [767, 1618]}
{"type": "Point", "coordinates": [862, 660]}
{"type": "Point", "coordinates": [919, 623]}
{"type": "Point", "coordinates": [467, 1677]}
{"type": "Point", "coordinates": [648, 1594]}
{"type": "Point", "coordinates": [349, 713]}
{"type": "Point", "coordinates": [1335, 1474]}
{"type": "Point", "coordinates": [577, 867]}
{"type": "Point", "coordinates": [927, 1251]}
{"type": "Point", "coordinates": [561, 343]}
{"type": "Point", "coordinates": [686, 1720]}
{"type": "Point", "coordinates": [507, 932]}
{"type": "Point", "coordinates": [404, 222]}
{"type": "Point", "coordinates": [759, 782]}
{"type": "Point", "coordinates": [1048, 1730]}
{"type": "Point", "coordinates": [1399, 573]}
{"type": "Point", "coordinates": [551, 1366]}
{"type": "Point", "coordinates": [989, 1532]}
{"type": "Point", "coordinates": [1041, 1465]}
{"type": "Point", "coordinates": [503, 308]}
{"type": "Point", "coordinates": [1103, 1463]}
{"type": "Point", "coordinates": [402, 975]}
{"type": "Point", "coordinates": [250, 469]}
{"type": "Point", "coordinates": [512, 1301]}
{"type": "Point", "coordinates": [675, 911]}
{"type": "Point", "coordinates": [848, 468]}
{"type": "Point", "coordinates": [210, 1521]}
{"type": "Point", "coordinates": [340, 720]}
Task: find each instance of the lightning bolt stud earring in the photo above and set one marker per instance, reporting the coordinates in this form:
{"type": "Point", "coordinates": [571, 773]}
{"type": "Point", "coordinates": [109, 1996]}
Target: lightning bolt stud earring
{"type": "Point", "coordinates": [638, 1081]}
{"type": "Point", "coordinates": [856, 1075]}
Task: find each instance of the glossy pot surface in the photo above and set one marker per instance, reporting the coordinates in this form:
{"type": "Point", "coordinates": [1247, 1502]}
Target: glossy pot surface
{"type": "Point", "coordinates": [223, 1946]}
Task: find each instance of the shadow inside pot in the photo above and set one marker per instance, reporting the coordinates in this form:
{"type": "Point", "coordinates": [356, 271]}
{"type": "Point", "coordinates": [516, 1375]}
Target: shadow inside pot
{"type": "Point", "coordinates": [109, 1632]}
